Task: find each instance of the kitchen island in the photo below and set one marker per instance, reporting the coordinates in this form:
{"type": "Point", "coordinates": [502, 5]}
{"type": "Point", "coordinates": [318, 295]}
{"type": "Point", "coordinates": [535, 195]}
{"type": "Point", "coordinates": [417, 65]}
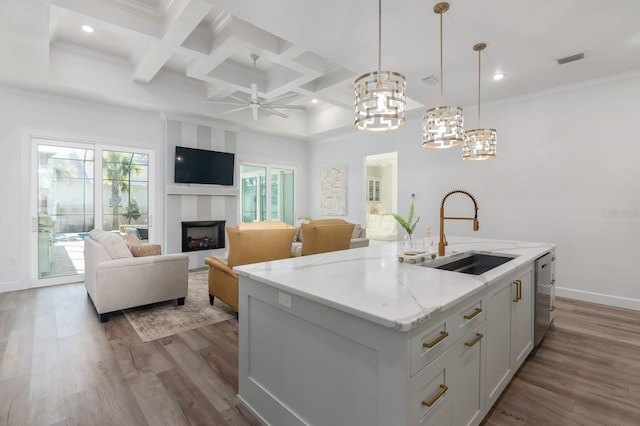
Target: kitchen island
{"type": "Point", "coordinates": [357, 337]}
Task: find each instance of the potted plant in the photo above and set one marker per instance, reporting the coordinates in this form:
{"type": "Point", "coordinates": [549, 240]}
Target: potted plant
{"type": "Point", "coordinates": [409, 226]}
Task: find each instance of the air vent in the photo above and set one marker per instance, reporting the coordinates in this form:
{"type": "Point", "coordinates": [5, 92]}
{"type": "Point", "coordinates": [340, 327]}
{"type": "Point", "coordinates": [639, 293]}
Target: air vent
{"type": "Point", "coordinates": [432, 80]}
{"type": "Point", "coordinates": [571, 58]}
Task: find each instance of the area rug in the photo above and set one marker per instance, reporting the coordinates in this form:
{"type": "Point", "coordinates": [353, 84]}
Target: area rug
{"type": "Point", "coordinates": [159, 320]}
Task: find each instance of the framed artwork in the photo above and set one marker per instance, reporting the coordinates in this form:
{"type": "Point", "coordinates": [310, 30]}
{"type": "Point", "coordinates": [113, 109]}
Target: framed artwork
{"type": "Point", "coordinates": [333, 191]}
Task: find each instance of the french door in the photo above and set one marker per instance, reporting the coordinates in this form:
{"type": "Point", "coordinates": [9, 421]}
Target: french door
{"type": "Point", "coordinates": [267, 193]}
{"type": "Point", "coordinates": [81, 186]}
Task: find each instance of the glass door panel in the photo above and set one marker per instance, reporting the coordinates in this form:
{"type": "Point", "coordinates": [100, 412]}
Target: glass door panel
{"type": "Point", "coordinates": [65, 208]}
{"type": "Point", "coordinates": [253, 201]}
{"type": "Point", "coordinates": [282, 191]}
{"type": "Point", "coordinates": [125, 192]}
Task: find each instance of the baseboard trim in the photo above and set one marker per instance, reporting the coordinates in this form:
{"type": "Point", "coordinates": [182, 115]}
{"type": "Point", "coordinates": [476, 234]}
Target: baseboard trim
{"type": "Point", "coordinates": [602, 299]}
{"type": "Point", "coordinates": [12, 286]}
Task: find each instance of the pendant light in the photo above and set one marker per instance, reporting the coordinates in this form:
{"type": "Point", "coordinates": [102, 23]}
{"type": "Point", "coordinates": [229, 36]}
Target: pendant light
{"type": "Point", "coordinates": [380, 99]}
{"type": "Point", "coordinates": [479, 144]}
{"type": "Point", "coordinates": [442, 127]}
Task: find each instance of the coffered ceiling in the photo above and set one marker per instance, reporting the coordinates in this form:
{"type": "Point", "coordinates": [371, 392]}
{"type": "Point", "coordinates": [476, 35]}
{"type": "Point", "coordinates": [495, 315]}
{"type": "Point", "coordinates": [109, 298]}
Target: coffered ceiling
{"type": "Point", "coordinates": [193, 58]}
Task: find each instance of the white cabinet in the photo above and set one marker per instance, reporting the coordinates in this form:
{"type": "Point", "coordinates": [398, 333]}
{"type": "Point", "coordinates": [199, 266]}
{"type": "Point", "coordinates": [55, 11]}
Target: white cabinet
{"type": "Point", "coordinates": [342, 369]}
{"type": "Point", "coordinates": [447, 367]}
{"type": "Point", "coordinates": [522, 326]}
{"type": "Point", "coordinates": [450, 390]}
{"type": "Point", "coordinates": [509, 329]}
{"type": "Point", "coordinates": [373, 189]}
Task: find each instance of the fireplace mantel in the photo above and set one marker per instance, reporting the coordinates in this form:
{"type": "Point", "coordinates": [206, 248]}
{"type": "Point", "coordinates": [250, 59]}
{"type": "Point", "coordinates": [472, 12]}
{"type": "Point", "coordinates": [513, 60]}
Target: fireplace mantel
{"type": "Point", "coordinates": [203, 190]}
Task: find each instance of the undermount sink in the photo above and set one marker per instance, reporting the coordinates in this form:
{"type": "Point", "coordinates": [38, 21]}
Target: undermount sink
{"type": "Point", "coordinates": [473, 263]}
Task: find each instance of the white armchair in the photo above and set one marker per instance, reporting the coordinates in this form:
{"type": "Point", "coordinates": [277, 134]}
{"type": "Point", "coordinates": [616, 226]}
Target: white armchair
{"type": "Point", "coordinates": [116, 280]}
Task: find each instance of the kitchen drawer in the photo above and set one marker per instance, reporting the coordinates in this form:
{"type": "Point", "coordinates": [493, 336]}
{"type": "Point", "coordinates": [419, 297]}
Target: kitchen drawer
{"type": "Point", "coordinates": [430, 399]}
{"type": "Point", "coordinates": [467, 315]}
{"type": "Point", "coordinates": [431, 339]}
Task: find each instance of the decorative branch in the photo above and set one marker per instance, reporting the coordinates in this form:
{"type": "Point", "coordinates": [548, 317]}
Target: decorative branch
{"type": "Point", "coordinates": [406, 224]}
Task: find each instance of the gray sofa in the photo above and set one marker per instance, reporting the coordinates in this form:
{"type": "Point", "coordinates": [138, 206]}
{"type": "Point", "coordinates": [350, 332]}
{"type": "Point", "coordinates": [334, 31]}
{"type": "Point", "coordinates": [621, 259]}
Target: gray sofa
{"type": "Point", "coordinates": [116, 280]}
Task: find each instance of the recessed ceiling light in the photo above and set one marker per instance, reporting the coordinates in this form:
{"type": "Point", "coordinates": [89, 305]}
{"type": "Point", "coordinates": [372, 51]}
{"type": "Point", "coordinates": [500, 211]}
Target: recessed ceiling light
{"type": "Point", "coordinates": [87, 28]}
{"type": "Point", "coordinates": [314, 101]}
{"type": "Point", "coordinates": [498, 76]}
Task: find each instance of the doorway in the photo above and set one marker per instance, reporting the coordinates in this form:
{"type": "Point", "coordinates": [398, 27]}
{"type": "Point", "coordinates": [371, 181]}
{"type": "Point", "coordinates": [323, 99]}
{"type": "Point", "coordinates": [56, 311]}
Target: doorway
{"type": "Point", "coordinates": [79, 185]}
{"type": "Point", "coordinates": [381, 199]}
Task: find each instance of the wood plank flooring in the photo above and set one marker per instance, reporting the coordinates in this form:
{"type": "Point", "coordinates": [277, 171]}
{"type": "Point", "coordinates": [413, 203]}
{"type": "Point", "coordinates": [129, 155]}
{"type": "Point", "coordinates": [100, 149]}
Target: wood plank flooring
{"type": "Point", "coordinates": [61, 366]}
{"type": "Point", "coordinates": [586, 372]}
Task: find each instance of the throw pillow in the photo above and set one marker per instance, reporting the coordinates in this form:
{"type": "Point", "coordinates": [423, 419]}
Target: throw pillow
{"type": "Point", "coordinates": [115, 246]}
{"type": "Point", "coordinates": [131, 239]}
{"type": "Point", "coordinates": [145, 249]}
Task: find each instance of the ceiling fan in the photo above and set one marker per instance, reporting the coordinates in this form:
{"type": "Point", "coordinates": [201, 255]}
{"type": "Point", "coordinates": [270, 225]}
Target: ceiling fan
{"type": "Point", "coordinates": [255, 103]}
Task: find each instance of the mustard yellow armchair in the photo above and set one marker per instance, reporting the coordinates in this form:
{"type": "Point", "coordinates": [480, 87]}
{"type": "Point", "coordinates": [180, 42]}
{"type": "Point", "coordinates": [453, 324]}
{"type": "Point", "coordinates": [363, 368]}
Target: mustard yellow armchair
{"type": "Point", "coordinates": [324, 235]}
{"type": "Point", "coordinates": [248, 243]}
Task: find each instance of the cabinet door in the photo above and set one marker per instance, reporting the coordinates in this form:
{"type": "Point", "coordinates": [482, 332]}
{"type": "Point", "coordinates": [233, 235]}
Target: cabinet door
{"type": "Point", "coordinates": [468, 357]}
{"type": "Point", "coordinates": [430, 398]}
{"type": "Point", "coordinates": [498, 340]}
{"type": "Point", "coordinates": [522, 316]}
{"type": "Point", "coordinates": [373, 189]}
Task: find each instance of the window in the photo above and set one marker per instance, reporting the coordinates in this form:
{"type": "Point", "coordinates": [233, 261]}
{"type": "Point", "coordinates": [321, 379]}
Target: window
{"type": "Point", "coordinates": [255, 192]}
{"type": "Point", "coordinates": [125, 193]}
{"type": "Point", "coordinates": [373, 189]}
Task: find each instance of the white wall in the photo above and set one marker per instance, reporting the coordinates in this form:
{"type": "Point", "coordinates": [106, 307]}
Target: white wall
{"type": "Point", "coordinates": [566, 173]}
{"type": "Point", "coordinates": [24, 114]}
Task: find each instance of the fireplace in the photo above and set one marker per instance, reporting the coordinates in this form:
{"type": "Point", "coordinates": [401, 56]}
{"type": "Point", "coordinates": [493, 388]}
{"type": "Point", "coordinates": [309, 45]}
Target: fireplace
{"type": "Point", "coordinates": [202, 235]}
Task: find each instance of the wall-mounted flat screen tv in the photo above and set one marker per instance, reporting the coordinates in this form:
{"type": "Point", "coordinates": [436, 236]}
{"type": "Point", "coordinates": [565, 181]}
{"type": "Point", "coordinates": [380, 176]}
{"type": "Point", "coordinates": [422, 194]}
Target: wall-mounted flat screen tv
{"type": "Point", "coordinates": [194, 165]}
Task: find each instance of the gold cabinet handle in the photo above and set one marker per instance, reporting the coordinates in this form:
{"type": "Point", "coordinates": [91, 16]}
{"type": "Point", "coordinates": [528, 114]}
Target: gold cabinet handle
{"type": "Point", "coordinates": [443, 335]}
{"type": "Point", "coordinates": [429, 403]}
{"type": "Point", "coordinates": [519, 290]}
{"type": "Point", "coordinates": [475, 340]}
{"type": "Point", "coordinates": [475, 312]}
{"type": "Point", "coordinates": [518, 284]}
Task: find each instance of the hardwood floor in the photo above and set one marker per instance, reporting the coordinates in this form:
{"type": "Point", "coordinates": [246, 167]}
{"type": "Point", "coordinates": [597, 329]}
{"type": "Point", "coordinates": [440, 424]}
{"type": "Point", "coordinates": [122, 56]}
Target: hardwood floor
{"type": "Point", "coordinates": [61, 366]}
{"type": "Point", "coordinates": [586, 372]}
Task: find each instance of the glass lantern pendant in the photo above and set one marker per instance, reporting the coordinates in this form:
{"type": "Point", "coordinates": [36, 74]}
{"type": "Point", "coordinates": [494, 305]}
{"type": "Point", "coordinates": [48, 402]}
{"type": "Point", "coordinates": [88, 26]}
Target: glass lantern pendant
{"type": "Point", "coordinates": [443, 126]}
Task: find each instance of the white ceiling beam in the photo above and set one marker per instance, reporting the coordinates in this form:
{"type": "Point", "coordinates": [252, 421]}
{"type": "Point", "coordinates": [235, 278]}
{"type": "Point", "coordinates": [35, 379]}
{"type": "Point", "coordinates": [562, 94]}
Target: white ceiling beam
{"type": "Point", "coordinates": [182, 19]}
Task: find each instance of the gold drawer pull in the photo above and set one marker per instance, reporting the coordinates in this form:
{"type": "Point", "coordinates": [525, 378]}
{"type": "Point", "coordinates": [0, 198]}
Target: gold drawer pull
{"type": "Point", "coordinates": [475, 340]}
{"type": "Point", "coordinates": [443, 335]}
{"type": "Point", "coordinates": [475, 312]}
{"type": "Point", "coordinates": [518, 284]}
{"type": "Point", "coordinates": [443, 389]}
{"type": "Point", "coordinates": [519, 290]}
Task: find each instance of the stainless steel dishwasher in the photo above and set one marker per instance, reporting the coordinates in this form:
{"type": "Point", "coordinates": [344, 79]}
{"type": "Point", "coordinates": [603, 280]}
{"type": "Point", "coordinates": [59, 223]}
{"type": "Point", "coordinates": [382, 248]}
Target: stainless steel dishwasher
{"type": "Point", "coordinates": [543, 308]}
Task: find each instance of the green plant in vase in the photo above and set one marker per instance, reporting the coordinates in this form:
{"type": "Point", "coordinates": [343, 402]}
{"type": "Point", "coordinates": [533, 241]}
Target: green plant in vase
{"type": "Point", "coordinates": [409, 226]}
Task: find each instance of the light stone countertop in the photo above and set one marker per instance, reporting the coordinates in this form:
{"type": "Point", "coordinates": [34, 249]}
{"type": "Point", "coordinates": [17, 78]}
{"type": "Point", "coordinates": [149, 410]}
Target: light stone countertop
{"type": "Point", "coordinates": [372, 284]}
